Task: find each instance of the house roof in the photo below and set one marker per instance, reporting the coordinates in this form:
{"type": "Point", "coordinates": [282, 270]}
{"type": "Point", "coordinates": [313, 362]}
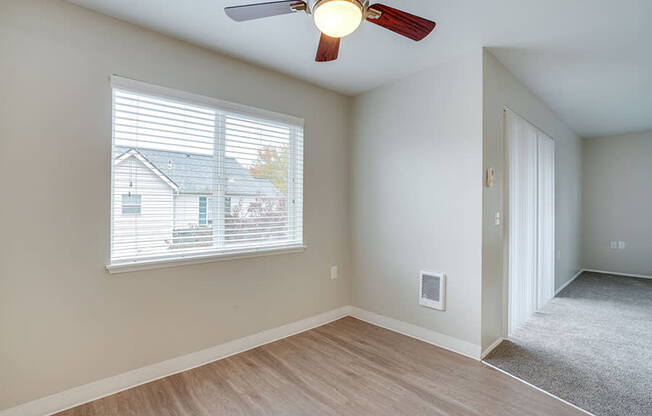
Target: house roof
{"type": "Point", "coordinates": [192, 173]}
{"type": "Point", "coordinates": [133, 152]}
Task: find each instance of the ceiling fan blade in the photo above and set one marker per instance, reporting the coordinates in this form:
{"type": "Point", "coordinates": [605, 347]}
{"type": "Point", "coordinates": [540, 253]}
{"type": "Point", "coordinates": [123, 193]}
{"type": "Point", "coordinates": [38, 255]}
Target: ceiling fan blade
{"type": "Point", "coordinates": [328, 49]}
{"type": "Point", "coordinates": [406, 24]}
{"type": "Point", "coordinates": [259, 10]}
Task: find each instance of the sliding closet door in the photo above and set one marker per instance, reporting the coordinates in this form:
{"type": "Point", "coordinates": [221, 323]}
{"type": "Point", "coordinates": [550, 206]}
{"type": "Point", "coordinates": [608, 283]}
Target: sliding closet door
{"type": "Point", "coordinates": [522, 142]}
{"type": "Point", "coordinates": [546, 219]}
{"type": "Point", "coordinates": [531, 155]}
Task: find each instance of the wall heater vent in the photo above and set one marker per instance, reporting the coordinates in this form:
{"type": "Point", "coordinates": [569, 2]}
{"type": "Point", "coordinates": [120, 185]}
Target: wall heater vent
{"type": "Point", "coordinates": [432, 290]}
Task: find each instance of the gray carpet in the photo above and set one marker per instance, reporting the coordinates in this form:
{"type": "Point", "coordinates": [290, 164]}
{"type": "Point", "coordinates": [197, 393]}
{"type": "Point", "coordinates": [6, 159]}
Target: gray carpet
{"type": "Point", "coordinates": [591, 346]}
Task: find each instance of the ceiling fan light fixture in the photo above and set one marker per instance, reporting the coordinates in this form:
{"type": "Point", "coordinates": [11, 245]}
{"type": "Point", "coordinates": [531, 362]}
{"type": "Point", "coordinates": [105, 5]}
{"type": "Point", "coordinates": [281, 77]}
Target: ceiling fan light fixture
{"type": "Point", "coordinates": [338, 18]}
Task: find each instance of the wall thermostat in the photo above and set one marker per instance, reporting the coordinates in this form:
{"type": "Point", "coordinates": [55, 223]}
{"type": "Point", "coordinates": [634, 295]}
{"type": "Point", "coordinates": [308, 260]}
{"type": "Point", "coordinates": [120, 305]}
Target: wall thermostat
{"type": "Point", "coordinates": [489, 177]}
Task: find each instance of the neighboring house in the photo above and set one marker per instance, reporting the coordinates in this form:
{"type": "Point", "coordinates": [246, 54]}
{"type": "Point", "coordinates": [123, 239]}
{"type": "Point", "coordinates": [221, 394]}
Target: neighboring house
{"type": "Point", "coordinates": [167, 196]}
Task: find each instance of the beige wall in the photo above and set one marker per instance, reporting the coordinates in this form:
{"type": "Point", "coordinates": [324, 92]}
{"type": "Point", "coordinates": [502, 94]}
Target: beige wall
{"type": "Point", "coordinates": [617, 203]}
{"type": "Point", "coordinates": [501, 89]}
{"type": "Point", "coordinates": [64, 320]}
{"type": "Point", "coordinates": [416, 196]}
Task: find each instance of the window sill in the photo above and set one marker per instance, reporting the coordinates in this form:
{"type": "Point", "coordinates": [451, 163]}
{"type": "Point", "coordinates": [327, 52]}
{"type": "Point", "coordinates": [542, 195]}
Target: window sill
{"type": "Point", "coordinates": [183, 261]}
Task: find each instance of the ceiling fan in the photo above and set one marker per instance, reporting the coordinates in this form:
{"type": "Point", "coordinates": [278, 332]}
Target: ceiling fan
{"type": "Point", "coordinates": [338, 18]}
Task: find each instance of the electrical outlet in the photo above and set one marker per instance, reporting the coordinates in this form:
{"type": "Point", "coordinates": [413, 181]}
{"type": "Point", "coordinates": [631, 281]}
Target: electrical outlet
{"type": "Point", "coordinates": [497, 219]}
{"type": "Point", "coordinates": [621, 245]}
{"type": "Point", "coordinates": [613, 244]}
{"type": "Point", "coordinates": [334, 272]}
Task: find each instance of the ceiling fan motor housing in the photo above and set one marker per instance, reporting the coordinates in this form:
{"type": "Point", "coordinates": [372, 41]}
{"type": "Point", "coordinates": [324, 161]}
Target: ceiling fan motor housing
{"type": "Point", "coordinates": [363, 4]}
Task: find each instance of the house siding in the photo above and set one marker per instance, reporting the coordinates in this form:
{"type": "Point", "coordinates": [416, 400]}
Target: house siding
{"type": "Point", "coordinates": [186, 210]}
{"type": "Point", "coordinates": [133, 233]}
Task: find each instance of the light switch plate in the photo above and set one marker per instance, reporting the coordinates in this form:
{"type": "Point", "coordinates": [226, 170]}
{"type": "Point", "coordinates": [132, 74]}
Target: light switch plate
{"type": "Point", "coordinates": [334, 272]}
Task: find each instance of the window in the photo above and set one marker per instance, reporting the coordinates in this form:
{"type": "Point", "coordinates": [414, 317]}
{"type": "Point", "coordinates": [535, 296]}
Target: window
{"type": "Point", "coordinates": [227, 205]}
{"type": "Point", "coordinates": [219, 178]}
{"type": "Point", "coordinates": [202, 210]}
{"type": "Point", "coordinates": [130, 204]}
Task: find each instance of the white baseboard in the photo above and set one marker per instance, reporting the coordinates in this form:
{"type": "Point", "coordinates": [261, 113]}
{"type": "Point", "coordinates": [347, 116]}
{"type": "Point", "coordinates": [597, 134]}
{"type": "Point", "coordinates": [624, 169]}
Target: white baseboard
{"type": "Point", "coordinates": [111, 385]}
{"type": "Point", "coordinates": [641, 276]}
{"type": "Point", "coordinates": [426, 335]}
{"type": "Point", "coordinates": [572, 279]}
{"type": "Point", "coordinates": [491, 347]}
{"type": "Point", "coordinates": [95, 390]}
{"type": "Point", "coordinates": [538, 388]}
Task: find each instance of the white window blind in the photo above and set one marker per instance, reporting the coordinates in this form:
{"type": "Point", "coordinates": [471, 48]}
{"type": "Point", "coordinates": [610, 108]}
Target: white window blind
{"type": "Point", "coordinates": [212, 178]}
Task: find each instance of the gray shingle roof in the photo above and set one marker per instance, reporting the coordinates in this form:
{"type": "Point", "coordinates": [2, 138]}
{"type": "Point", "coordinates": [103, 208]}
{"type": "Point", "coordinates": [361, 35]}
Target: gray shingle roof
{"type": "Point", "coordinates": [193, 173]}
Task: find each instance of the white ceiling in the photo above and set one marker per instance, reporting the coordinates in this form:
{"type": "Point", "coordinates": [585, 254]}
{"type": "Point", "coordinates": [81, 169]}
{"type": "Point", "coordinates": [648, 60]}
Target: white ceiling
{"type": "Point", "coordinates": [589, 60]}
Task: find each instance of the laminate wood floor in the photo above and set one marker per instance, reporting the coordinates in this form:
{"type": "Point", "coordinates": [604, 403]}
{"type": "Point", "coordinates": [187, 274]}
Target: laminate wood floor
{"type": "Point", "coordinates": [347, 367]}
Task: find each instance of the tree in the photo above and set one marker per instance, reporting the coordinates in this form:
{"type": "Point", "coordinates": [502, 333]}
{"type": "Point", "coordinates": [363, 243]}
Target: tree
{"type": "Point", "coordinates": [272, 164]}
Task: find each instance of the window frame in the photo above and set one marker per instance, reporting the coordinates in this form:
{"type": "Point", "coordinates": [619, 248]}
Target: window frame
{"type": "Point", "coordinates": [126, 84]}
